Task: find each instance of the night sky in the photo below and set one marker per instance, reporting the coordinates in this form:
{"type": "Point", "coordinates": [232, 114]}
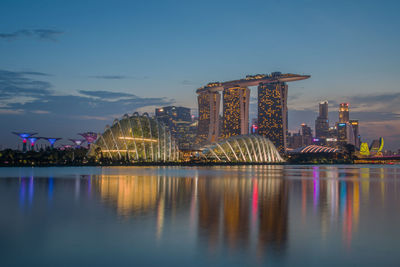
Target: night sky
{"type": "Point", "coordinates": [74, 66]}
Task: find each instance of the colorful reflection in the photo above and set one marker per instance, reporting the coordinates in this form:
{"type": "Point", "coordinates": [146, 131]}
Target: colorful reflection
{"type": "Point", "coordinates": [234, 210]}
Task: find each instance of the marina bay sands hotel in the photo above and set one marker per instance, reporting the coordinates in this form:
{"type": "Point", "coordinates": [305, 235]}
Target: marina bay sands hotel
{"type": "Point", "coordinates": [272, 108]}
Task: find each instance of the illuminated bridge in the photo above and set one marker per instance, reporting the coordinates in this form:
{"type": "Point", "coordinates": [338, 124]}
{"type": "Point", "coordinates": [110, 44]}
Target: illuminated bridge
{"type": "Point", "coordinates": [272, 108]}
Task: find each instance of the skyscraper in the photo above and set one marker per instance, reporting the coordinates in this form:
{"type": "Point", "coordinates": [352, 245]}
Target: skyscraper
{"type": "Point", "coordinates": [272, 113]}
{"type": "Point", "coordinates": [179, 121]}
{"type": "Point", "coordinates": [322, 123]}
{"type": "Point", "coordinates": [235, 111]}
{"type": "Point", "coordinates": [357, 140]}
{"type": "Point", "coordinates": [306, 134]}
{"type": "Point", "coordinates": [344, 113]}
{"type": "Point", "coordinates": [208, 127]}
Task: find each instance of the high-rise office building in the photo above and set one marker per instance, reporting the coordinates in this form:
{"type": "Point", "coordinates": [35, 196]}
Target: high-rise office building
{"type": "Point", "coordinates": [235, 111]}
{"type": "Point", "coordinates": [322, 123]}
{"type": "Point", "coordinates": [173, 113]}
{"type": "Point", "coordinates": [344, 113]}
{"type": "Point", "coordinates": [306, 133]}
{"type": "Point", "coordinates": [272, 113]}
{"type": "Point", "coordinates": [357, 141]}
{"type": "Point", "coordinates": [179, 122]}
{"type": "Point", "coordinates": [208, 127]}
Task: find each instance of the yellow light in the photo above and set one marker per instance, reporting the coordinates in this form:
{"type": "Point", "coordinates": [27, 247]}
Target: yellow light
{"type": "Point", "coordinates": [139, 139]}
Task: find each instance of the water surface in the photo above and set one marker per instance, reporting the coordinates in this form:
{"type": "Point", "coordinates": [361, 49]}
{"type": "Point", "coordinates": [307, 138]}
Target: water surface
{"type": "Point", "coordinates": [199, 216]}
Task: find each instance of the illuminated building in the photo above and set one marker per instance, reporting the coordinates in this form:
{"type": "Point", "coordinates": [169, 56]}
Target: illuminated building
{"type": "Point", "coordinates": [243, 148]}
{"type": "Point", "coordinates": [236, 111]}
{"type": "Point", "coordinates": [166, 114]}
{"type": "Point", "coordinates": [306, 133]}
{"type": "Point", "coordinates": [136, 138]}
{"type": "Point", "coordinates": [344, 113]}
{"type": "Point", "coordinates": [322, 122]}
{"type": "Point", "coordinates": [209, 103]}
{"type": "Point", "coordinates": [376, 147]}
{"type": "Point", "coordinates": [24, 137]}
{"type": "Point", "coordinates": [295, 140]}
{"type": "Point", "coordinates": [345, 134]}
{"type": "Point", "coordinates": [179, 121]}
{"type": "Point", "coordinates": [272, 113]}
{"type": "Point", "coordinates": [364, 149]}
{"type": "Point", "coordinates": [355, 125]}
{"type": "Point", "coordinates": [208, 127]}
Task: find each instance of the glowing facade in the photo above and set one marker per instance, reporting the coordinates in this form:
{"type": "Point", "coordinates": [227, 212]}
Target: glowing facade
{"type": "Point", "coordinates": [272, 113]}
{"type": "Point", "coordinates": [236, 122]}
{"type": "Point", "coordinates": [243, 148]}
{"type": "Point", "coordinates": [136, 138]}
{"type": "Point", "coordinates": [322, 122]}
{"type": "Point", "coordinates": [315, 149]}
{"type": "Point", "coordinates": [208, 127]}
{"type": "Point", "coordinates": [236, 111]}
{"type": "Point", "coordinates": [344, 113]}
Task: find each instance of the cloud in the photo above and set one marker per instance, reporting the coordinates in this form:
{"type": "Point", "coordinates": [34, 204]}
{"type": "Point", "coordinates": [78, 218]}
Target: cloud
{"type": "Point", "coordinates": [110, 77]}
{"type": "Point", "coordinates": [107, 95]}
{"type": "Point", "coordinates": [20, 94]}
{"type": "Point", "coordinates": [41, 34]}
{"type": "Point", "coordinates": [16, 84]}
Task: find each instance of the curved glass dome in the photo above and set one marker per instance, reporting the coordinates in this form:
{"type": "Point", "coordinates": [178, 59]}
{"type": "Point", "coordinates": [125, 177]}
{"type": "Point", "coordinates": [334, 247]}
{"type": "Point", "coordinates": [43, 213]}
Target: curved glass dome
{"type": "Point", "coordinates": [243, 148]}
{"type": "Point", "coordinates": [136, 138]}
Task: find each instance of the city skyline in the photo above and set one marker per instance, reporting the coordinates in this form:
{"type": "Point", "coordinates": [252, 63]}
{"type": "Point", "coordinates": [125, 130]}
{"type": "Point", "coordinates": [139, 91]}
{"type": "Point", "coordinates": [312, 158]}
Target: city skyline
{"type": "Point", "coordinates": [57, 79]}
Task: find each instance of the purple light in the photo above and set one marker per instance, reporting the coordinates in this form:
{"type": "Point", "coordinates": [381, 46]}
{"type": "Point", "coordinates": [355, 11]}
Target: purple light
{"type": "Point", "coordinates": [89, 136]}
{"type": "Point", "coordinates": [316, 140]}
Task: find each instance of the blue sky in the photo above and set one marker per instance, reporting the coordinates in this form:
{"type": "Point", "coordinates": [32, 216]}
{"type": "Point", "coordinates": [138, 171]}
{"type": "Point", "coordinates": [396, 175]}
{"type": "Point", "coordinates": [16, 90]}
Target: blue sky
{"type": "Point", "coordinates": [73, 66]}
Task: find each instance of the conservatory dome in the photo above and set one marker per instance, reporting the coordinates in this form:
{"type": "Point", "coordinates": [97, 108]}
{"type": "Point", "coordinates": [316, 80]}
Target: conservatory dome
{"type": "Point", "coordinates": [243, 148]}
{"type": "Point", "coordinates": [136, 138]}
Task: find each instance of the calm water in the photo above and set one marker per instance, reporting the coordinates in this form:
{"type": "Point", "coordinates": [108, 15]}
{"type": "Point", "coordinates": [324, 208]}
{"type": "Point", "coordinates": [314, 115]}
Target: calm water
{"type": "Point", "coordinates": [170, 216]}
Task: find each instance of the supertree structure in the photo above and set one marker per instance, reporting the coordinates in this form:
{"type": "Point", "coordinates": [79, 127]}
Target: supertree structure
{"type": "Point", "coordinates": [33, 140]}
{"type": "Point", "coordinates": [51, 140]}
{"type": "Point", "coordinates": [24, 137]}
{"type": "Point", "coordinates": [77, 142]}
{"type": "Point", "coordinates": [90, 137]}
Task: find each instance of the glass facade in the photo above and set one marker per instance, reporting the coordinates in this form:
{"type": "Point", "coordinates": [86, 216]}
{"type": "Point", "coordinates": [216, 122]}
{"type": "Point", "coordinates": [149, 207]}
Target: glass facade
{"type": "Point", "coordinates": [136, 138]}
{"type": "Point", "coordinates": [236, 111]}
{"type": "Point", "coordinates": [208, 127]}
{"type": "Point", "coordinates": [272, 113]}
{"type": "Point", "coordinates": [243, 148]}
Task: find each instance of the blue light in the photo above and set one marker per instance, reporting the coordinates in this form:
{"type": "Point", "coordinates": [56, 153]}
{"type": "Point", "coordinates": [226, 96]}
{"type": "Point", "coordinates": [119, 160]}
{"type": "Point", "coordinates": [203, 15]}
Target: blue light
{"type": "Point", "coordinates": [33, 139]}
{"type": "Point", "coordinates": [342, 124]}
{"type": "Point", "coordinates": [24, 135]}
{"type": "Point", "coordinates": [52, 140]}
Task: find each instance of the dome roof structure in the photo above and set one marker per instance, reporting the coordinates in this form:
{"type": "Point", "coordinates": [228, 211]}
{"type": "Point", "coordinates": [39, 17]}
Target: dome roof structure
{"type": "Point", "coordinates": [136, 138]}
{"type": "Point", "coordinates": [315, 149]}
{"type": "Point", "coordinates": [243, 148]}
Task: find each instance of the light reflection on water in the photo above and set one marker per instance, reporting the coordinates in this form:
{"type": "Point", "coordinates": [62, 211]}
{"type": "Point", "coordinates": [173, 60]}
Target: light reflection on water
{"type": "Point", "coordinates": [197, 216]}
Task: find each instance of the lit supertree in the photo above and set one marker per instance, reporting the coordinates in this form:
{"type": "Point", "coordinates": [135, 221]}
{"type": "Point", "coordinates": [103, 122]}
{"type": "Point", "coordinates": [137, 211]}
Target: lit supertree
{"type": "Point", "coordinates": [77, 142]}
{"type": "Point", "coordinates": [33, 140]}
{"type": "Point", "coordinates": [24, 137]}
{"type": "Point", "coordinates": [51, 140]}
{"type": "Point", "coordinates": [89, 136]}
